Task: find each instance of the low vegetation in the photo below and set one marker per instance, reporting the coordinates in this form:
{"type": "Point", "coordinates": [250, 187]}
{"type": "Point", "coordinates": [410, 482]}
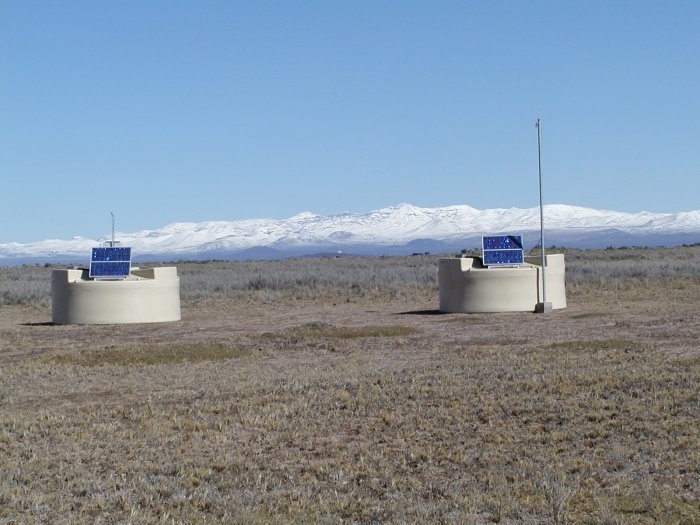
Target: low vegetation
{"type": "Point", "coordinates": [351, 278]}
{"type": "Point", "coordinates": [27, 284]}
{"type": "Point", "coordinates": [301, 400]}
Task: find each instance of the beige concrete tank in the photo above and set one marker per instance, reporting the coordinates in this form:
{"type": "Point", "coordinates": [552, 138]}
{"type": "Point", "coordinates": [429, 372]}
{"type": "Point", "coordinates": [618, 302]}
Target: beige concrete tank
{"type": "Point", "coordinates": [468, 287]}
{"type": "Point", "coordinates": [146, 296]}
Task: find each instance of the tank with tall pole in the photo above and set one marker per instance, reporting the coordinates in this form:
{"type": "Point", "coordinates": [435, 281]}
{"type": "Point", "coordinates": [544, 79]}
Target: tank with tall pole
{"type": "Point", "coordinates": [543, 306]}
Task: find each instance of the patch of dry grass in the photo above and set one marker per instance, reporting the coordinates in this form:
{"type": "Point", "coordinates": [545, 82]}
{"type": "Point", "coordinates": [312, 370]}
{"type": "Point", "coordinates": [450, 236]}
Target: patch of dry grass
{"type": "Point", "coordinates": [345, 332]}
{"type": "Point", "coordinates": [574, 432]}
{"type": "Point", "coordinates": [144, 355]}
{"type": "Point", "coordinates": [296, 411]}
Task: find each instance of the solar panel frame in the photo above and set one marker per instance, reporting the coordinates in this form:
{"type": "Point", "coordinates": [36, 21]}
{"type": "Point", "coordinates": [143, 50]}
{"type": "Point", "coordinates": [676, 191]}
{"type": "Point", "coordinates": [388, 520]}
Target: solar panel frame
{"type": "Point", "coordinates": [107, 262]}
{"type": "Point", "coordinates": [502, 250]}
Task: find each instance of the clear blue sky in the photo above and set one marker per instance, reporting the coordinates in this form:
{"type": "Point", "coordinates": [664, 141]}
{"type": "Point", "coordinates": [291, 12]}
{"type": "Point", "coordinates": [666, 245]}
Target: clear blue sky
{"type": "Point", "coordinates": [167, 111]}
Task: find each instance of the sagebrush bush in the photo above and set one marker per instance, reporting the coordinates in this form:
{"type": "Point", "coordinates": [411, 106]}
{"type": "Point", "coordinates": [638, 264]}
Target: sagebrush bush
{"type": "Point", "coordinates": [309, 277]}
{"type": "Point", "coordinates": [588, 270]}
{"type": "Point", "coordinates": [373, 277]}
{"type": "Point", "coordinates": [24, 284]}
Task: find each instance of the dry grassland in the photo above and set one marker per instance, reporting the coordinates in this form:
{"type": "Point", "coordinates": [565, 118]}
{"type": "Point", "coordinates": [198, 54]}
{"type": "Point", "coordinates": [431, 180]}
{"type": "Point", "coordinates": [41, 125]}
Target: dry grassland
{"type": "Point", "coordinates": [331, 391]}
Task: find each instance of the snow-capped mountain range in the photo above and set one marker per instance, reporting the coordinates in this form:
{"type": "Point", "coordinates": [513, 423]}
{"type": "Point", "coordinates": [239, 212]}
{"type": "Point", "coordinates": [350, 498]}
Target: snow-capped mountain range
{"type": "Point", "coordinates": [398, 229]}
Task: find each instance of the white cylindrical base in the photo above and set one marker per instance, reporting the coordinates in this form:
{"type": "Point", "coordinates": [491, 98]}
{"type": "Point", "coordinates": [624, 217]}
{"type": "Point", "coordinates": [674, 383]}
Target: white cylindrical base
{"type": "Point", "coordinates": [468, 287]}
{"type": "Point", "coordinates": [146, 296]}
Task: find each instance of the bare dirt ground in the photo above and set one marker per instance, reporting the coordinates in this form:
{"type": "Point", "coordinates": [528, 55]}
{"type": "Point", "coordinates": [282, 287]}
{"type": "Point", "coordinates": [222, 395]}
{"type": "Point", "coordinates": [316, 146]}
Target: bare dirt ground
{"type": "Point", "coordinates": [361, 410]}
{"type": "Point", "coordinates": [667, 317]}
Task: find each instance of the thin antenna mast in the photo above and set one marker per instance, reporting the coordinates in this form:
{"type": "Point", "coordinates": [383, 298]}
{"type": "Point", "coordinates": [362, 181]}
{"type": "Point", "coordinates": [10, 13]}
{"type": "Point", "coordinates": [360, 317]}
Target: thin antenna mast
{"type": "Point", "coordinates": [112, 228]}
{"type": "Point", "coordinates": [544, 306]}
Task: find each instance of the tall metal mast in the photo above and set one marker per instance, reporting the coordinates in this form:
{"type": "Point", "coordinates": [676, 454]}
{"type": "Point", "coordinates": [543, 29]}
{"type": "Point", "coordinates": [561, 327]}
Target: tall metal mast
{"type": "Point", "coordinates": [542, 307]}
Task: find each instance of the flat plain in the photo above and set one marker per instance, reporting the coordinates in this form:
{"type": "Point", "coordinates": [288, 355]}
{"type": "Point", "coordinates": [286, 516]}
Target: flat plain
{"type": "Point", "coordinates": [330, 390]}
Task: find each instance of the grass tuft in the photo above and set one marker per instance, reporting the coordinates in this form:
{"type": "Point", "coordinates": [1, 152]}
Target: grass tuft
{"type": "Point", "coordinates": [347, 332]}
{"type": "Point", "coordinates": [131, 355]}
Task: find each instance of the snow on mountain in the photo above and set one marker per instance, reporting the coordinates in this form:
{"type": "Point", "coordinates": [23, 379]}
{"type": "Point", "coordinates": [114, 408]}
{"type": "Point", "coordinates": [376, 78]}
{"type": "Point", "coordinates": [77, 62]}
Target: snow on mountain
{"type": "Point", "coordinates": [392, 226]}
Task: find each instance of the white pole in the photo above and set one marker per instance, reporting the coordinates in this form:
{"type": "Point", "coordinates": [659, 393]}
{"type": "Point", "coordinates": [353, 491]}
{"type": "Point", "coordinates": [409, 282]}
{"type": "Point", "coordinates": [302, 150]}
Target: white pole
{"type": "Point", "coordinates": [539, 169]}
{"type": "Point", "coordinates": [112, 245]}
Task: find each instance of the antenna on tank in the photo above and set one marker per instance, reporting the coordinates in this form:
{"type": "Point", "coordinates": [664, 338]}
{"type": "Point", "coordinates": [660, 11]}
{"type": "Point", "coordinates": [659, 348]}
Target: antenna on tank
{"type": "Point", "coordinates": [112, 213]}
{"type": "Point", "coordinates": [113, 243]}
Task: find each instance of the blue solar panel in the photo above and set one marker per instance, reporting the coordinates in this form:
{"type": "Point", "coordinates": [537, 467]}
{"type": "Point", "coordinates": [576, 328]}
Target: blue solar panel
{"type": "Point", "coordinates": [110, 269]}
{"type": "Point", "coordinates": [110, 262]}
{"type": "Point", "coordinates": [508, 257]}
{"type": "Point", "coordinates": [105, 253]}
{"type": "Point", "coordinates": [503, 242]}
{"type": "Point", "coordinates": [502, 250]}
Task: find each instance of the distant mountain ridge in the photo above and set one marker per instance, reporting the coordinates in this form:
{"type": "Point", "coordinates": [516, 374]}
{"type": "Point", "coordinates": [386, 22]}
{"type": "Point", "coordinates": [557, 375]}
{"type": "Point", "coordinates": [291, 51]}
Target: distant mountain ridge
{"type": "Point", "coordinates": [393, 230]}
